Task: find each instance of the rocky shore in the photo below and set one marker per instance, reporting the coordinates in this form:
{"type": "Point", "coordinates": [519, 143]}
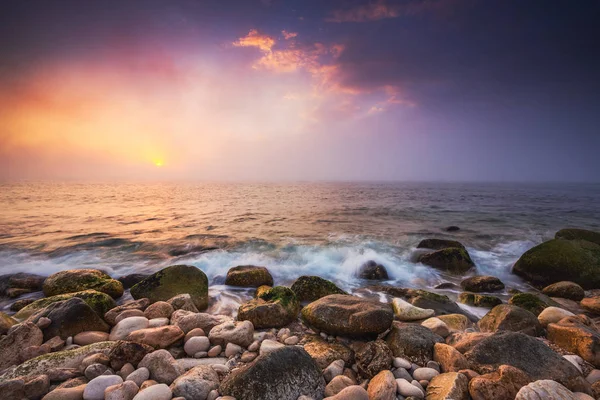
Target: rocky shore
{"type": "Point", "coordinates": [311, 340]}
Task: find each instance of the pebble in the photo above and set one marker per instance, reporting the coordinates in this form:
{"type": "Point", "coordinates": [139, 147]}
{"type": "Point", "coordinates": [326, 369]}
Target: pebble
{"type": "Point", "coordinates": [425, 373]}
{"type": "Point", "coordinates": [334, 369]}
{"type": "Point", "coordinates": [220, 368]}
{"type": "Point", "coordinates": [201, 354]}
{"type": "Point", "coordinates": [94, 390]}
{"type": "Point", "coordinates": [268, 346]}
{"type": "Point", "coordinates": [401, 363]}
{"type": "Point", "coordinates": [215, 351]}
{"type": "Point", "coordinates": [95, 370]}
{"type": "Point", "coordinates": [128, 325]}
{"type": "Point", "coordinates": [254, 346]}
{"type": "Point", "coordinates": [232, 349]}
{"type": "Point", "coordinates": [196, 344]}
{"type": "Point", "coordinates": [401, 373]}
{"type": "Point", "coordinates": [593, 376]}
{"type": "Point", "coordinates": [248, 356]}
{"type": "Point", "coordinates": [126, 370]}
{"type": "Point", "coordinates": [406, 389]}
{"type": "Point", "coordinates": [351, 393]}
{"type": "Point", "coordinates": [89, 337]}
{"type": "Point", "coordinates": [43, 322]}
{"type": "Point", "coordinates": [212, 395]}
{"type": "Point", "coordinates": [128, 314]}
{"type": "Point", "coordinates": [139, 376]}
{"type": "Point", "coordinates": [434, 365]}
{"type": "Point", "coordinates": [124, 391]}
{"type": "Point", "coordinates": [159, 391]}
{"type": "Point", "coordinates": [158, 322]}
{"type": "Point", "coordinates": [337, 384]}
{"type": "Point", "coordinates": [194, 332]}
{"type": "Point", "coordinates": [575, 360]}
{"type": "Point", "coordinates": [292, 340]}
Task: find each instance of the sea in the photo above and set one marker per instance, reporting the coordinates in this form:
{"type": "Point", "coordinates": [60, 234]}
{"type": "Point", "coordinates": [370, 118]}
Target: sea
{"type": "Point", "coordinates": [293, 229]}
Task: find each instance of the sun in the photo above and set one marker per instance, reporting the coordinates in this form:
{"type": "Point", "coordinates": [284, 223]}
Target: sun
{"type": "Point", "coordinates": [158, 163]}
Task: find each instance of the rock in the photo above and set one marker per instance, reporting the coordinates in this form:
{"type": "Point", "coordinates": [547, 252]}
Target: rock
{"type": "Point", "coordinates": [425, 374]}
{"type": "Point", "coordinates": [196, 344]}
{"type": "Point", "coordinates": [339, 383]}
{"type": "Point", "coordinates": [155, 392]}
{"type": "Point", "coordinates": [450, 359]}
{"type": "Point", "coordinates": [440, 303]}
{"type": "Point", "coordinates": [188, 320]}
{"type": "Point", "coordinates": [268, 346]}
{"type": "Point", "coordinates": [324, 353]}
{"type": "Point", "coordinates": [565, 290]}
{"type": "Point", "coordinates": [351, 393]}
{"type": "Point", "coordinates": [126, 326]}
{"type": "Point", "coordinates": [274, 308]}
{"type": "Point", "coordinates": [215, 351]}
{"type": "Point", "coordinates": [578, 234]}
{"type": "Point", "coordinates": [160, 309]}
{"type": "Point", "coordinates": [112, 314]}
{"type": "Point", "coordinates": [348, 315]}
{"type": "Point", "coordinates": [285, 373]}
{"type": "Point", "coordinates": [405, 311]}
{"type": "Point", "coordinates": [465, 341]}
{"type": "Point", "coordinates": [73, 393]}
{"type": "Point", "coordinates": [373, 357]}
{"type": "Point", "coordinates": [552, 315]}
{"type": "Point", "coordinates": [413, 342]}
{"type": "Point", "coordinates": [334, 369]}
{"type": "Point", "coordinates": [124, 391]}
{"type": "Point", "coordinates": [183, 302]}
{"type": "Point", "coordinates": [5, 323]}
{"type": "Point", "coordinates": [531, 302]}
{"type": "Point", "coordinates": [77, 280]}
{"type": "Point", "coordinates": [479, 300]}
{"type": "Point", "coordinates": [98, 301]}
{"type": "Point", "coordinates": [20, 304]}
{"type": "Point", "coordinates": [500, 385]}
{"type": "Point", "coordinates": [591, 304]}
{"type": "Point", "coordinates": [139, 376]}
{"type": "Point", "coordinates": [478, 284]}
{"type": "Point", "coordinates": [456, 322]}
{"type": "Point", "coordinates": [372, 271]}
{"type": "Point", "coordinates": [545, 390]}
{"type": "Point", "coordinates": [240, 333]}
{"type": "Point", "coordinates": [20, 281]}
{"type": "Point", "coordinates": [576, 337]}
{"type": "Point", "coordinates": [162, 366]}
{"type": "Point", "coordinates": [94, 390]}
{"type": "Point", "coordinates": [292, 340]}
{"type": "Point", "coordinates": [527, 354]}
{"type": "Point", "coordinates": [159, 338]}
{"type": "Point", "coordinates": [95, 370]}
{"type": "Point", "coordinates": [19, 338]}
{"type": "Point", "coordinates": [451, 259]}
{"type": "Point", "coordinates": [561, 260]}
{"type": "Point", "coordinates": [248, 276]}
{"type": "Point", "coordinates": [382, 386]}
{"type": "Point", "coordinates": [510, 318]}
{"type": "Point", "coordinates": [439, 244]}
{"type": "Point", "coordinates": [196, 383]}
{"type": "Point", "coordinates": [85, 338]}
{"type": "Point", "coordinates": [311, 288]}
{"type": "Point", "coordinates": [449, 386]}
{"type": "Point", "coordinates": [437, 326]}
{"type": "Point", "coordinates": [406, 389]}
{"type": "Point", "coordinates": [172, 281]}
{"type": "Point", "coordinates": [232, 349]}
{"type": "Point", "coordinates": [131, 279]}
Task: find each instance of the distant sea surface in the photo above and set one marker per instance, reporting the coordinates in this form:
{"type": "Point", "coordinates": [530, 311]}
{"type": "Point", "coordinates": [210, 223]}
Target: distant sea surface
{"type": "Point", "coordinates": [325, 229]}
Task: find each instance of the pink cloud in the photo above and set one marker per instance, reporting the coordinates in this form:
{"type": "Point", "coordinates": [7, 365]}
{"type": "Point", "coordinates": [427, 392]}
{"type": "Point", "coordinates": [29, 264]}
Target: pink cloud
{"type": "Point", "coordinates": [256, 39]}
{"type": "Point", "coordinates": [289, 35]}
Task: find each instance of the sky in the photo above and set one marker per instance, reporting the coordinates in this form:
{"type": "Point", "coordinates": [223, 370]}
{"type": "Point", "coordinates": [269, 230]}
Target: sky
{"type": "Point", "coordinates": [275, 90]}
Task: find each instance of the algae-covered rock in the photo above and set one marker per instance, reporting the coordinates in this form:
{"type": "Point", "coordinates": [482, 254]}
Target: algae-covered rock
{"type": "Point", "coordinates": [561, 260]}
{"type": "Point", "coordinates": [248, 276]}
{"type": "Point", "coordinates": [510, 318]}
{"type": "Point", "coordinates": [373, 271]}
{"type": "Point", "coordinates": [479, 300]}
{"type": "Point", "coordinates": [98, 301]}
{"type": "Point", "coordinates": [174, 280]}
{"type": "Point", "coordinates": [578, 234]}
{"type": "Point", "coordinates": [5, 323]}
{"type": "Point", "coordinates": [531, 302]}
{"type": "Point", "coordinates": [311, 288]}
{"type": "Point", "coordinates": [77, 280]}
{"type": "Point", "coordinates": [273, 308]}
{"type": "Point", "coordinates": [413, 342]}
{"type": "Point", "coordinates": [565, 290]}
{"type": "Point", "coordinates": [324, 353]}
{"type": "Point", "coordinates": [478, 284]}
{"type": "Point", "coordinates": [452, 259]}
{"type": "Point", "coordinates": [439, 244]}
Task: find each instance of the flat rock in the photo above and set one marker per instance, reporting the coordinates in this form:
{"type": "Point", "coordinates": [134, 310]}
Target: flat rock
{"type": "Point", "coordinates": [240, 333]}
{"type": "Point", "coordinates": [159, 338]}
{"type": "Point", "coordinates": [510, 318]}
{"type": "Point", "coordinates": [448, 386]}
{"type": "Point", "coordinates": [404, 311]}
{"type": "Point", "coordinates": [545, 390]}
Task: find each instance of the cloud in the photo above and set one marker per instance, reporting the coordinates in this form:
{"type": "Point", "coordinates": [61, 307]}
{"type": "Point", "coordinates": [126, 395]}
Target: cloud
{"type": "Point", "coordinates": [289, 35]}
{"type": "Point", "coordinates": [255, 39]}
{"type": "Point", "coordinates": [366, 12]}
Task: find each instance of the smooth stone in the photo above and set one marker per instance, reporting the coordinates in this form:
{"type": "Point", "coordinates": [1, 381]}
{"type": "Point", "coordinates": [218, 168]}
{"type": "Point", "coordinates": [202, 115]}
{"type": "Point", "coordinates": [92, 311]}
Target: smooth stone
{"type": "Point", "coordinates": [425, 373]}
{"type": "Point", "coordinates": [72, 393]}
{"type": "Point", "coordinates": [292, 340]}
{"type": "Point", "coordinates": [159, 338]}
{"type": "Point", "coordinates": [189, 363]}
{"type": "Point", "coordinates": [162, 366]}
{"type": "Point", "coordinates": [196, 344]}
{"type": "Point", "coordinates": [157, 322]}
{"type": "Point", "coordinates": [351, 393]}
{"type": "Point", "coordinates": [337, 384]}
{"type": "Point", "coordinates": [334, 369]}
{"type": "Point", "coordinates": [193, 333]}
{"type": "Point", "coordinates": [124, 391]}
{"type": "Point", "coordinates": [240, 333]}
{"type": "Point", "coordinates": [400, 362]}
{"type": "Point", "coordinates": [232, 349]}
{"type": "Point", "coordinates": [155, 392]}
{"type": "Point", "coordinates": [95, 370]}
{"type": "Point", "coordinates": [545, 390]}
{"type": "Point", "coordinates": [215, 351]}
{"type": "Point", "coordinates": [129, 314]}
{"type": "Point", "coordinates": [406, 389]}
{"type": "Point", "coordinates": [268, 346]}
{"type": "Point", "coordinates": [593, 376]}
{"type": "Point", "coordinates": [552, 315]}
{"type": "Point", "coordinates": [437, 326]}
{"type": "Point", "coordinates": [405, 311]}
{"type": "Point", "coordinates": [382, 386]}
{"type": "Point", "coordinates": [126, 326]}
{"type": "Point", "coordinates": [160, 309]}
{"type": "Point", "coordinates": [89, 337]}
{"type": "Point", "coordinates": [139, 376]}
{"type": "Point", "coordinates": [95, 388]}
{"type": "Point", "coordinates": [196, 383]}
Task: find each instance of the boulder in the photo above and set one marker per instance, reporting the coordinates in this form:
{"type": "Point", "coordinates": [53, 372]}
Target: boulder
{"type": "Point", "coordinates": [129, 280]}
{"type": "Point", "coordinates": [545, 390]}
{"type": "Point", "coordinates": [499, 385]}
{"type": "Point", "coordinates": [565, 290]}
{"type": "Point", "coordinates": [576, 337]}
{"type": "Point", "coordinates": [531, 302]}
{"type": "Point", "coordinates": [159, 338]}
{"type": "Point", "coordinates": [274, 308]}
{"type": "Point", "coordinates": [19, 338]}
{"type": "Point", "coordinates": [561, 260]}
{"type": "Point", "coordinates": [478, 284]}
{"type": "Point", "coordinates": [5, 323]}
{"type": "Point", "coordinates": [77, 280]}
{"type": "Point", "coordinates": [450, 359]}
{"type": "Point", "coordinates": [405, 311]}
{"type": "Point", "coordinates": [452, 259]}
{"type": "Point", "coordinates": [465, 341]}
{"type": "Point", "coordinates": [311, 288]}
{"type": "Point", "coordinates": [285, 373]}
{"type": "Point", "coordinates": [347, 315]}
{"type": "Point", "coordinates": [172, 281]}
{"type": "Point", "coordinates": [552, 315]}
{"type": "Point", "coordinates": [196, 383]}
{"type": "Point", "coordinates": [98, 301]}
{"type": "Point", "coordinates": [240, 333]}
{"type": "Point", "coordinates": [413, 342]}
{"type": "Point", "coordinates": [510, 318]}
{"type": "Point", "coordinates": [527, 354]}
{"type": "Point", "coordinates": [162, 366]}
{"type": "Point", "coordinates": [324, 353]}
{"type": "Point", "coordinates": [479, 300]}
{"type": "Point", "coordinates": [382, 386]}
{"type": "Point", "coordinates": [439, 244]}
{"type": "Point", "coordinates": [373, 357]}
{"type": "Point", "coordinates": [248, 276]}
{"type": "Point", "coordinates": [372, 271]}
{"type": "Point", "coordinates": [112, 314]}
{"type": "Point", "coordinates": [578, 234]}
{"type": "Point", "coordinates": [448, 386]}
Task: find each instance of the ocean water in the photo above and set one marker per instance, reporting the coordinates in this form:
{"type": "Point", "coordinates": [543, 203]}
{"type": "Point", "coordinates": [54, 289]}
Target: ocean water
{"type": "Point", "coordinates": [325, 229]}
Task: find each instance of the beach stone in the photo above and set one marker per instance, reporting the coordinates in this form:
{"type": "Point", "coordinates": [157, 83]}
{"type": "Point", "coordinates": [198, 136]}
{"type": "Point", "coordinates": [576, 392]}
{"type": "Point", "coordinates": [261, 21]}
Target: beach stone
{"type": "Point", "coordinates": [172, 281]}
{"type": "Point", "coordinates": [412, 342]}
{"type": "Point", "coordinates": [155, 392]}
{"type": "Point", "coordinates": [20, 304]}
{"type": "Point", "coordinates": [531, 302]}
{"type": "Point", "coordinates": [248, 356]}
{"type": "Point", "coordinates": [510, 318]}
{"type": "Point", "coordinates": [578, 234]}
{"type": "Point", "coordinates": [183, 302]}
{"type": "Point", "coordinates": [248, 276]}
{"type": "Point", "coordinates": [285, 373]}
{"type": "Point", "coordinates": [95, 388]}
{"type": "Point", "coordinates": [334, 369]}
{"type": "Point", "coordinates": [373, 271]}
{"type": "Point", "coordinates": [131, 279]}
{"type": "Point", "coordinates": [159, 338]}
{"type": "Point", "coordinates": [479, 284]}
{"type": "Point", "coordinates": [188, 320]}
{"type": "Point", "coordinates": [565, 290]}
{"type": "Point", "coordinates": [561, 260]}
{"type": "Point", "coordinates": [441, 304]}
{"type": "Point", "coordinates": [439, 244]}
{"type": "Point", "coordinates": [20, 337]}
{"type": "Point", "coordinates": [193, 333]}
{"type": "Point", "coordinates": [232, 349]}
{"type": "Point", "coordinates": [456, 322]}
{"type": "Point", "coordinates": [239, 332]}
{"type": "Point", "coordinates": [21, 280]}
{"type": "Point", "coordinates": [405, 311]}
{"type": "Point", "coordinates": [72, 393]}
{"type": "Point", "coordinates": [94, 370]}
{"type": "Point", "coordinates": [451, 259]}
{"type": "Point", "coordinates": [196, 383]}
{"type": "Point", "coordinates": [158, 322]}
{"type": "Point", "coordinates": [324, 353]}
{"type": "Point", "coordinates": [292, 340]}
{"type": "Point", "coordinates": [382, 386]}
{"type": "Point", "coordinates": [348, 315]}
{"type": "Point", "coordinates": [311, 288]}
{"type": "Point", "coordinates": [215, 351]}
{"type": "Point", "coordinates": [268, 346]}
{"type": "Point", "coordinates": [527, 354]}
{"type": "Point", "coordinates": [89, 337]}
{"type": "Point", "coordinates": [545, 390]}
{"type": "Point", "coordinates": [77, 280]}
{"type": "Point", "coordinates": [196, 344]}
{"type": "Point", "coordinates": [139, 376]}
{"type": "Point", "coordinates": [351, 393]}
{"type": "Point", "coordinates": [465, 341]}
{"type": "Point", "coordinates": [98, 301]}
{"type": "Point", "coordinates": [591, 304]}
{"type": "Point", "coordinates": [437, 326]}
{"type": "Point", "coordinates": [400, 362]}
{"type": "Point", "coordinates": [500, 385]}
{"type": "Point", "coordinates": [339, 383]}
{"type": "Point", "coordinates": [160, 309]}
{"type": "Point", "coordinates": [128, 352]}
{"type": "Point", "coordinates": [148, 383]}
{"type": "Point", "coordinates": [479, 300]}
{"type": "Point", "coordinates": [112, 314]}
{"type": "Point", "coordinates": [449, 359]}
{"type": "Point", "coordinates": [425, 374]}
{"type": "Point", "coordinates": [448, 386]}
{"type": "Point", "coordinates": [552, 315]}
{"type": "Point", "coordinates": [373, 357]}
{"type": "Point", "coordinates": [126, 326]}
{"type": "Point", "coordinates": [162, 366]}
{"type": "Point", "coordinates": [406, 389]}
{"type": "Point", "coordinates": [126, 370]}
{"type": "Point", "coordinates": [124, 391]}
{"type": "Point", "coordinates": [574, 336]}
{"type": "Point", "coordinates": [128, 314]}
{"type": "Point", "coordinates": [273, 308]}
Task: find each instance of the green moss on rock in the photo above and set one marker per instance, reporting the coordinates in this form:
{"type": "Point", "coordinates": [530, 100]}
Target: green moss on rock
{"type": "Point", "coordinates": [273, 308]}
{"type": "Point", "coordinates": [99, 302]}
{"type": "Point", "coordinates": [479, 300]}
{"type": "Point", "coordinates": [578, 234]}
{"type": "Point", "coordinates": [439, 244]}
{"type": "Point", "coordinates": [248, 276]}
{"type": "Point", "coordinates": [531, 302]}
{"type": "Point", "coordinates": [452, 259]}
{"type": "Point", "coordinates": [310, 288]}
{"type": "Point", "coordinates": [78, 280]}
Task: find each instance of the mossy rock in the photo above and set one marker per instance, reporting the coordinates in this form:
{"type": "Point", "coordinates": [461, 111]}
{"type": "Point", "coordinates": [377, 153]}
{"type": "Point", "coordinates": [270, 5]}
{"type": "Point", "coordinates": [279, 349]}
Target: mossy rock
{"type": "Point", "coordinates": [273, 308]}
{"type": "Point", "coordinates": [98, 301]}
{"type": "Point", "coordinates": [261, 290]}
{"type": "Point", "coordinates": [507, 317]}
{"type": "Point", "coordinates": [479, 300]}
{"type": "Point", "coordinates": [311, 288]}
{"type": "Point", "coordinates": [456, 322]}
{"type": "Point", "coordinates": [5, 323]}
{"type": "Point", "coordinates": [565, 290]}
{"type": "Point", "coordinates": [531, 302]}
{"type": "Point", "coordinates": [283, 295]}
{"type": "Point", "coordinates": [172, 281]}
{"type": "Point", "coordinates": [248, 276]}
{"type": "Point", "coordinates": [561, 260]}
{"type": "Point", "coordinates": [478, 284]}
{"type": "Point", "coordinates": [452, 259]}
{"type": "Point", "coordinates": [371, 270]}
{"type": "Point", "coordinates": [77, 280]}
{"type": "Point", "coordinates": [578, 234]}
{"type": "Point", "coordinates": [439, 244]}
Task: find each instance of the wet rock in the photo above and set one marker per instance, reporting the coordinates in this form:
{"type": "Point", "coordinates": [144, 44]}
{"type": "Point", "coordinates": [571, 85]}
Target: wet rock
{"type": "Point", "coordinates": [405, 311]}
{"type": "Point", "coordinates": [372, 271]}
{"type": "Point", "coordinates": [155, 392]}
{"type": "Point", "coordinates": [382, 386]}
{"type": "Point", "coordinates": [127, 352]}
{"type": "Point", "coordinates": [132, 279]}
{"type": "Point", "coordinates": [20, 280]}
{"type": "Point", "coordinates": [112, 314]}
{"type": "Point", "coordinates": [98, 301]}
{"type": "Point", "coordinates": [126, 326]}
{"type": "Point", "coordinates": [479, 300]}
{"type": "Point", "coordinates": [439, 244]}
{"type": "Point", "coordinates": [373, 357]}
{"type": "Point", "coordinates": [552, 315]}
{"type": "Point", "coordinates": [77, 280]}
{"type": "Point", "coordinates": [5, 323]}
{"type": "Point", "coordinates": [479, 284]}
{"type": "Point", "coordinates": [351, 393]}
{"type": "Point", "coordinates": [339, 383]}
{"type": "Point", "coordinates": [95, 388]}
{"type": "Point", "coordinates": [348, 315]}
{"type": "Point", "coordinates": [240, 333]}
{"type": "Point", "coordinates": [324, 353]}
{"type": "Point", "coordinates": [160, 309]}
{"type": "Point", "coordinates": [546, 390]}
{"type": "Point", "coordinates": [413, 342]}
{"type": "Point", "coordinates": [162, 366]}
{"type": "Point", "coordinates": [591, 304]}
{"type": "Point", "coordinates": [89, 337]}
{"type": "Point", "coordinates": [172, 281]}
{"type": "Point", "coordinates": [188, 320]}
{"type": "Point", "coordinates": [159, 338]}
{"type": "Point", "coordinates": [196, 383]}
{"type": "Point", "coordinates": [565, 290]}
{"type": "Point", "coordinates": [248, 276]}
{"type": "Point", "coordinates": [465, 341]}
{"type": "Point", "coordinates": [574, 336]}
{"type": "Point", "coordinates": [274, 308]}
{"type": "Point", "coordinates": [437, 326]}
{"type": "Point", "coordinates": [531, 302]}
{"type": "Point", "coordinates": [19, 338]}
{"type": "Point", "coordinates": [448, 386]}
{"type": "Point", "coordinates": [442, 304]}
{"type": "Point", "coordinates": [578, 234]}
{"type": "Point", "coordinates": [20, 304]}
{"type": "Point", "coordinates": [450, 359]}
{"type": "Point", "coordinates": [456, 322]}
{"type": "Point", "coordinates": [510, 318]}
{"type": "Point", "coordinates": [286, 373]}
{"type": "Point", "coordinates": [311, 288]}
{"type": "Point", "coordinates": [500, 385]}
{"type": "Point", "coordinates": [452, 259]}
